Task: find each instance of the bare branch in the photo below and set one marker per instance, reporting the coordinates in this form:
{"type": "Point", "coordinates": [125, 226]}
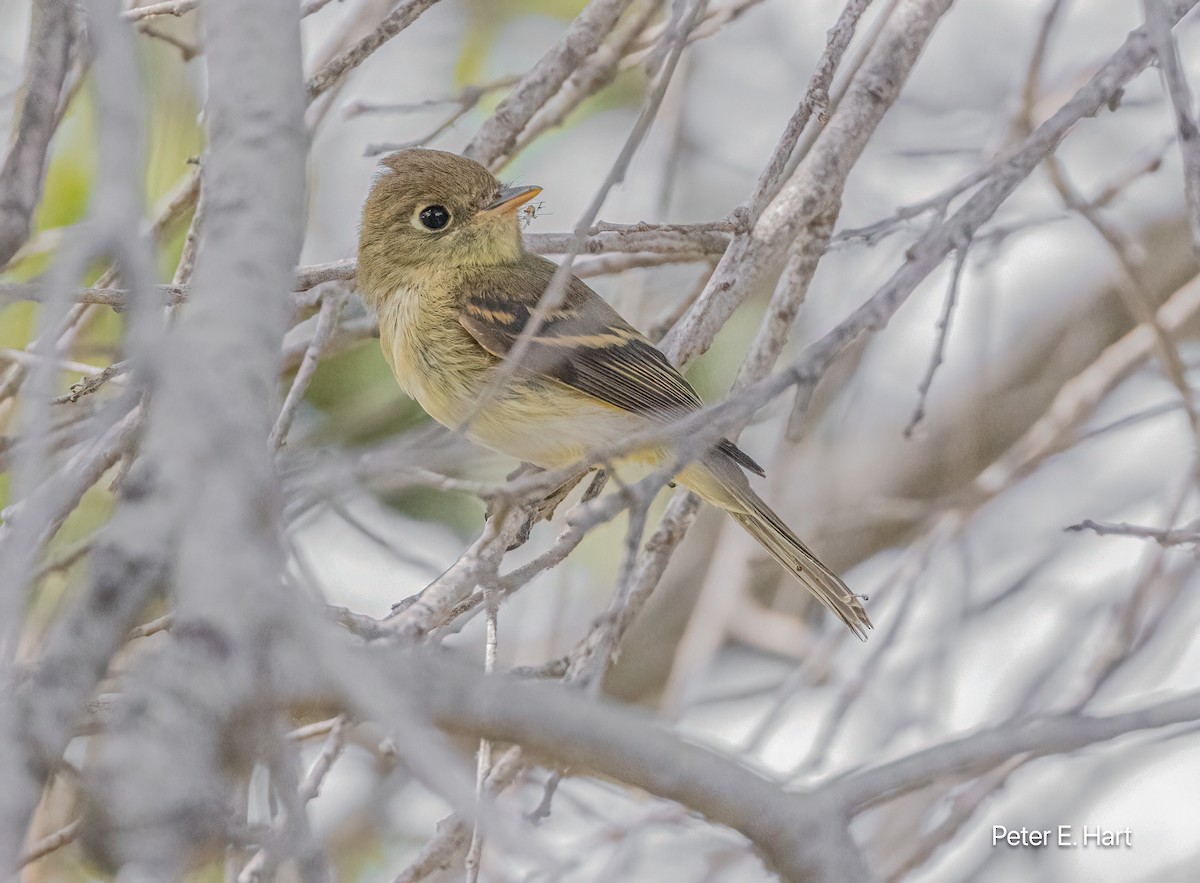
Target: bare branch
{"type": "Point", "coordinates": [776, 326]}
{"type": "Point", "coordinates": [51, 842]}
{"type": "Point", "coordinates": [187, 51]}
{"type": "Point", "coordinates": [205, 510]}
{"type": "Point", "coordinates": [1158, 26]}
{"type": "Point", "coordinates": [258, 144]}
{"type": "Point", "coordinates": [1053, 734]}
{"type": "Point", "coordinates": [396, 21]}
{"type": "Point", "coordinates": [331, 306]}
{"type": "Point", "coordinates": [309, 7]}
{"type": "Point", "coordinates": [1188, 535]}
{"type": "Point", "coordinates": [1080, 396]}
{"type": "Point", "coordinates": [169, 7]}
{"type": "Point", "coordinates": [589, 77]}
{"type": "Point", "coordinates": [931, 249]}
{"type": "Point", "coordinates": [36, 724]}
{"type": "Point", "coordinates": [796, 838]}
{"type": "Point", "coordinates": [265, 861]}
{"type": "Point", "coordinates": [583, 36]}
{"type": "Point", "coordinates": [943, 332]}
{"type": "Point", "coordinates": [478, 564]}
{"type": "Point", "coordinates": [816, 187]}
{"type": "Point", "coordinates": [815, 100]}
{"type": "Point", "coordinates": [46, 58]}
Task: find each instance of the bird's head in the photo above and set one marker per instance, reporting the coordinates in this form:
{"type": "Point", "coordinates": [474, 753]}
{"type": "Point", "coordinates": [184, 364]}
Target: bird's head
{"type": "Point", "coordinates": [429, 210]}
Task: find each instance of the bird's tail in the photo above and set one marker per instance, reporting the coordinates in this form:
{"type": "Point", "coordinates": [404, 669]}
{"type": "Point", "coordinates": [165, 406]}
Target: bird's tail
{"type": "Point", "coordinates": [721, 482]}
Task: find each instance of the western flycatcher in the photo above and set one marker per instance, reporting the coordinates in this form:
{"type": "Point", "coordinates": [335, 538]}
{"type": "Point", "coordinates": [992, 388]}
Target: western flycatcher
{"type": "Point", "coordinates": [442, 261]}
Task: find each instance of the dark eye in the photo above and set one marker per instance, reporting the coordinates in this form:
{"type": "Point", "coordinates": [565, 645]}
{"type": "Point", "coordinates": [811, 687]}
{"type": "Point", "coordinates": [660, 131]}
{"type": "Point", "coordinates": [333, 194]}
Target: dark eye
{"type": "Point", "coordinates": [434, 217]}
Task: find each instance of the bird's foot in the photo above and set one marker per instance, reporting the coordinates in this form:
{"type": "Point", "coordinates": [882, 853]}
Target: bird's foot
{"type": "Point", "coordinates": [544, 510]}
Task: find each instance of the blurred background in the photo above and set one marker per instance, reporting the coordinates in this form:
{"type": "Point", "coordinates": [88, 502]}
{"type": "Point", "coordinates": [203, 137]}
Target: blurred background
{"type": "Point", "coordinates": [987, 608]}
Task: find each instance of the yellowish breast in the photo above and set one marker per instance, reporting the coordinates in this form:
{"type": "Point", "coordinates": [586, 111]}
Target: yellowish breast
{"type": "Point", "coordinates": [437, 363]}
{"type": "Point", "coordinates": [434, 359]}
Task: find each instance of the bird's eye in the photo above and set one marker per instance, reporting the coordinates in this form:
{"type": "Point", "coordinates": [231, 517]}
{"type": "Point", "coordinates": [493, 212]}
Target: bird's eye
{"type": "Point", "coordinates": [434, 217]}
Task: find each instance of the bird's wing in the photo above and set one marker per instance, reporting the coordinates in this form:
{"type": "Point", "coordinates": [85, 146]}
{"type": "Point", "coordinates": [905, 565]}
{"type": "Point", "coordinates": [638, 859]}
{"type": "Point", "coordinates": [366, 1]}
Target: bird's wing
{"type": "Point", "coordinates": [583, 343]}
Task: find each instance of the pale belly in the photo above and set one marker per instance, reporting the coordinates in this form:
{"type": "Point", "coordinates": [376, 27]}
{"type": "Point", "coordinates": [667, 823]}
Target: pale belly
{"type": "Point", "coordinates": [551, 426]}
{"type": "Point", "coordinates": [535, 420]}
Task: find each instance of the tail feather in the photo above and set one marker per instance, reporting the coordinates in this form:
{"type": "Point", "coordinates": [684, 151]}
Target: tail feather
{"type": "Point", "coordinates": [775, 536]}
{"type": "Point", "coordinates": [726, 486]}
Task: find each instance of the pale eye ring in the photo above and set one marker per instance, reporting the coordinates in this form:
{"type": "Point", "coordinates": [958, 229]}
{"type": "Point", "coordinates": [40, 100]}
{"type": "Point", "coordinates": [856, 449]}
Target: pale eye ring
{"type": "Point", "coordinates": [433, 217]}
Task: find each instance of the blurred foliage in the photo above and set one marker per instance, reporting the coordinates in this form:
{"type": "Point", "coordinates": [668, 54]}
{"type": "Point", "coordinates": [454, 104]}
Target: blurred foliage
{"type": "Point", "coordinates": [359, 399]}
{"type": "Point", "coordinates": [173, 136]}
{"type": "Point", "coordinates": [485, 18]}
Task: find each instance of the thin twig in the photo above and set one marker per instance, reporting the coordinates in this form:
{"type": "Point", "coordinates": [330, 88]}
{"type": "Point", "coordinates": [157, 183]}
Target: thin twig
{"type": "Point", "coordinates": [1040, 735]}
{"type": "Point", "coordinates": [396, 21]}
{"type": "Point", "coordinates": [187, 51]}
{"type": "Point", "coordinates": [582, 37]}
{"type": "Point", "coordinates": [483, 762]}
{"type": "Point", "coordinates": [331, 307]}
{"type": "Point", "coordinates": [817, 185]}
{"type": "Point", "coordinates": [465, 101]}
{"type": "Point", "coordinates": [170, 7]}
{"type": "Point", "coordinates": [334, 744]}
{"type": "Point", "coordinates": [943, 333]}
{"type": "Point", "coordinates": [92, 381]}
{"type": "Point", "coordinates": [815, 100]}
{"type": "Point", "coordinates": [145, 630]}
{"type": "Point", "coordinates": [51, 842]}
{"type": "Point", "coordinates": [593, 73]}
{"type": "Point", "coordinates": [1134, 292]}
{"type": "Point", "coordinates": [1188, 535]}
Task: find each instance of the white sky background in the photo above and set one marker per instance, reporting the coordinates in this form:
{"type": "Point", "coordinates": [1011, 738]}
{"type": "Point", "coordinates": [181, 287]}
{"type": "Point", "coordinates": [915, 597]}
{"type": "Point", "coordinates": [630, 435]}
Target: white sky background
{"type": "Point", "coordinates": [946, 670]}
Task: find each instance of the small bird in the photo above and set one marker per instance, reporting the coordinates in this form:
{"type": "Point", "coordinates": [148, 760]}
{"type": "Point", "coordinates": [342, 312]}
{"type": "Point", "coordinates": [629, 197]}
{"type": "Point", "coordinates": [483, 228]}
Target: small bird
{"type": "Point", "coordinates": [442, 261]}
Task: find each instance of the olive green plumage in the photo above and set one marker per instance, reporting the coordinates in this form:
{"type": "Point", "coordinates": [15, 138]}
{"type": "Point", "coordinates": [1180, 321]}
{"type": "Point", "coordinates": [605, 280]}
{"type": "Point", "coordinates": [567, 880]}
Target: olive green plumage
{"type": "Point", "coordinates": [442, 261]}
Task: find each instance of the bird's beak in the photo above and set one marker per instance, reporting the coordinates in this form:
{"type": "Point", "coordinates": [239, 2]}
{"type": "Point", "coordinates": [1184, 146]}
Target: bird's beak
{"type": "Point", "coordinates": [512, 198]}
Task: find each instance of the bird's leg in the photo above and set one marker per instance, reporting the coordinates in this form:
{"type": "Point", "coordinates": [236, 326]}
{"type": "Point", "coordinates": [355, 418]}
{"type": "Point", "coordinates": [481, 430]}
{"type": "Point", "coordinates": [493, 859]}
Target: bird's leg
{"type": "Point", "coordinates": [545, 508]}
{"type": "Point", "coordinates": [599, 480]}
{"type": "Point", "coordinates": [524, 469]}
